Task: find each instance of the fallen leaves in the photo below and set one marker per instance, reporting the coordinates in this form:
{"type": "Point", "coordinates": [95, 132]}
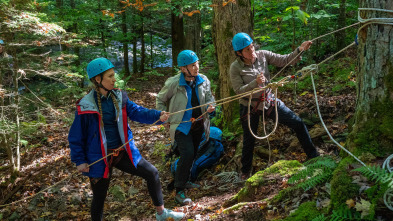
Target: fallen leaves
{"type": "Point", "coordinates": [364, 207]}
{"type": "Point", "coordinates": [350, 203]}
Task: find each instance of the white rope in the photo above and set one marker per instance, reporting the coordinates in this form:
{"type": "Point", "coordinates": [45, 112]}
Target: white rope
{"type": "Point", "coordinates": [324, 126]}
{"type": "Point", "coordinates": [249, 113]}
{"type": "Point", "coordinates": [386, 164]}
{"type": "Point", "coordinates": [367, 21]}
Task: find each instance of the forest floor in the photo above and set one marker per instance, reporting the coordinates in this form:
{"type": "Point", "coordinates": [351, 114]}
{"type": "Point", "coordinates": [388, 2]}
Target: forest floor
{"type": "Point", "coordinates": [47, 161]}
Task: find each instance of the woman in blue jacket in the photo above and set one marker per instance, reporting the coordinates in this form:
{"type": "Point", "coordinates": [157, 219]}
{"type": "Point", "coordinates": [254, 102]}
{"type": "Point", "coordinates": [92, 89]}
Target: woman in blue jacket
{"type": "Point", "coordinates": [100, 126]}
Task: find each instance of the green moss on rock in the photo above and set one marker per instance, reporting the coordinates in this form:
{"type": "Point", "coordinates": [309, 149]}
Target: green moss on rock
{"type": "Point", "coordinates": [286, 194]}
{"type": "Point", "coordinates": [342, 187]}
{"type": "Point", "coordinates": [376, 136]}
{"type": "Point", "coordinates": [282, 167]}
{"type": "Point", "coordinates": [306, 211]}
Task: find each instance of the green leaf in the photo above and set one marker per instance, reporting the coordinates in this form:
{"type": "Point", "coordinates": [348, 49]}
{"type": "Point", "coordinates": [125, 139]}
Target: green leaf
{"type": "Point", "coordinates": [321, 14]}
{"type": "Point", "coordinates": [304, 93]}
{"type": "Point", "coordinates": [295, 8]}
{"type": "Point", "coordinates": [302, 16]}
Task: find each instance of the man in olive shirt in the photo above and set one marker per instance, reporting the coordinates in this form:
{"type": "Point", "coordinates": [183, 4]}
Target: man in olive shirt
{"type": "Point", "coordinates": [249, 71]}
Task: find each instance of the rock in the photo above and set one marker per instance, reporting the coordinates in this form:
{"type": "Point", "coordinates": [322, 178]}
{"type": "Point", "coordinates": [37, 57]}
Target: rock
{"type": "Point", "coordinates": [367, 157]}
{"type": "Point", "coordinates": [76, 199]}
{"type": "Point", "coordinates": [132, 191]}
{"type": "Point", "coordinates": [314, 133]}
{"type": "Point", "coordinates": [280, 168]}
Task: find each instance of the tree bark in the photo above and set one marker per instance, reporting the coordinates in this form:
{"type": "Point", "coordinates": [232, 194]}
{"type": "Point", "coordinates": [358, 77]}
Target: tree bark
{"type": "Point", "coordinates": [178, 39]}
{"type": "Point", "coordinates": [373, 128]}
{"type": "Point", "coordinates": [102, 28]}
{"type": "Point", "coordinates": [227, 21]}
{"type": "Point", "coordinates": [341, 22]}
{"type": "Point", "coordinates": [125, 42]}
{"type": "Point", "coordinates": [143, 48]}
{"type": "Point", "coordinates": [17, 123]}
{"type": "Point", "coordinates": [193, 32]}
{"type": "Point", "coordinates": [134, 47]}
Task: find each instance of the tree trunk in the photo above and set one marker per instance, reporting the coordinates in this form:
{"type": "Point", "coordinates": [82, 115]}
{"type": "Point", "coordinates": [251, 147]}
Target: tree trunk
{"type": "Point", "coordinates": [75, 25]}
{"type": "Point", "coordinates": [151, 47]}
{"type": "Point", "coordinates": [102, 27]}
{"type": "Point", "coordinates": [293, 28]}
{"type": "Point", "coordinates": [227, 21]}
{"type": "Point", "coordinates": [341, 22]}
{"type": "Point", "coordinates": [193, 30]}
{"type": "Point", "coordinates": [77, 49]}
{"type": "Point", "coordinates": [134, 47]}
{"type": "Point", "coordinates": [125, 42]}
{"type": "Point", "coordinates": [17, 123]}
{"type": "Point", "coordinates": [373, 128]}
{"type": "Point", "coordinates": [143, 49]}
{"type": "Point", "coordinates": [178, 39]}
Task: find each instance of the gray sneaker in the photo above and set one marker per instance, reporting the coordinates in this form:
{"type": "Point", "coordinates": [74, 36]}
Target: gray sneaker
{"type": "Point", "coordinates": [167, 213]}
{"type": "Point", "coordinates": [182, 199]}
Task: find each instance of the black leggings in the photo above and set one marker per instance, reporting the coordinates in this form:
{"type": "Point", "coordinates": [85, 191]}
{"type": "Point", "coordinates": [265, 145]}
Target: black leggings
{"type": "Point", "coordinates": [144, 169]}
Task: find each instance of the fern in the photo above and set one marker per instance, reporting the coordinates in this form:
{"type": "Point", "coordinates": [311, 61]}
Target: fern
{"type": "Point", "coordinates": [316, 171]}
{"type": "Point", "coordinates": [314, 181]}
{"type": "Point", "coordinates": [343, 213]}
{"type": "Point", "coordinates": [377, 174]}
{"type": "Point", "coordinates": [320, 218]}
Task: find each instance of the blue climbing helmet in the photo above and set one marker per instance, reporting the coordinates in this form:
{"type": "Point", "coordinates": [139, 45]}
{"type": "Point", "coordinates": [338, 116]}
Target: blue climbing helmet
{"type": "Point", "coordinates": [215, 133]}
{"type": "Point", "coordinates": [186, 57]}
{"type": "Point", "coordinates": [240, 41]}
{"type": "Point", "coordinates": [1, 42]}
{"type": "Point", "coordinates": [97, 66]}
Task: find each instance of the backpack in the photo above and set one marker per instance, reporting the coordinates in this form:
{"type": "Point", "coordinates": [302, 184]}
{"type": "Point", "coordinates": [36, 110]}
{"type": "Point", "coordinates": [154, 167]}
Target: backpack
{"type": "Point", "coordinates": [208, 154]}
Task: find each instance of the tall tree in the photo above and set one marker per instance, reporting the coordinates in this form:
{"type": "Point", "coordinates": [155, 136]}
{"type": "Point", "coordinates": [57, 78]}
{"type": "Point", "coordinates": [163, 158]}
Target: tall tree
{"type": "Point", "coordinates": [143, 48]}
{"type": "Point", "coordinates": [372, 131]}
{"type": "Point", "coordinates": [125, 41]}
{"type": "Point", "coordinates": [227, 21]}
{"type": "Point", "coordinates": [340, 36]}
{"type": "Point", "coordinates": [178, 39]}
{"type": "Point", "coordinates": [373, 117]}
{"type": "Point", "coordinates": [102, 28]}
{"type": "Point", "coordinates": [193, 31]}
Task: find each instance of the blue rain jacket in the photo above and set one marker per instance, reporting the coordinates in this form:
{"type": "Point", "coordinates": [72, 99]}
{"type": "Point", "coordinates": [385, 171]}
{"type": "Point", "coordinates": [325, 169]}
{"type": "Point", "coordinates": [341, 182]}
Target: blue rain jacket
{"type": "Point", "coordinates": [87, 137]}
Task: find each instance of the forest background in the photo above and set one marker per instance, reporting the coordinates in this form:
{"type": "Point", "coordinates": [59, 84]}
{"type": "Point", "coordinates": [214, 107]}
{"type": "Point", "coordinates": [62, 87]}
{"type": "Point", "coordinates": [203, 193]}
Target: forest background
{"type": "Point", "coordinates": [51, 43]}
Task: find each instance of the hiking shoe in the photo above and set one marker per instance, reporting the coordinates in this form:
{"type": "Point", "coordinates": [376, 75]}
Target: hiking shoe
{"type": "Point", "coordinates": [190, 185]}
{"type": "Point", "coordinates": [167, 213]}
{"type": "Point", "coordinates": [182, 199]}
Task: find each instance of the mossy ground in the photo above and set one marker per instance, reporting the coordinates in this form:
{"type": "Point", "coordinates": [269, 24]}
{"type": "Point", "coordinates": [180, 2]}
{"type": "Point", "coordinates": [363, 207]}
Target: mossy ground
{"type": "Point", "coordinates": [342, 187]}
{"type": "Point", "coordinates": [282, 167]}
{"type": "Point", "coordinates": [306, 211]}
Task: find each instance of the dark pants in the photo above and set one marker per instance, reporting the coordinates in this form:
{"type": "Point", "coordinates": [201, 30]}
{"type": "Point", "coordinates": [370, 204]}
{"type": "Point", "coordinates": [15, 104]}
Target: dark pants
{"type": "Point", "coordinates": [286, 117]}
{"type": "Point", "coordinates": [144, 169]}
{"type": "Point", "coordinates": [188, 148]}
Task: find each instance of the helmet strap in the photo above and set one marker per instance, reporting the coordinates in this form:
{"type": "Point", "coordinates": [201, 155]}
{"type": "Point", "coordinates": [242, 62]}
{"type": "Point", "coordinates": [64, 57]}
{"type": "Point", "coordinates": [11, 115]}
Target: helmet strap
{"type": "Point", "coordinates": [189, 73]}
{"type": "Point", "coordinates": [100, 84]}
